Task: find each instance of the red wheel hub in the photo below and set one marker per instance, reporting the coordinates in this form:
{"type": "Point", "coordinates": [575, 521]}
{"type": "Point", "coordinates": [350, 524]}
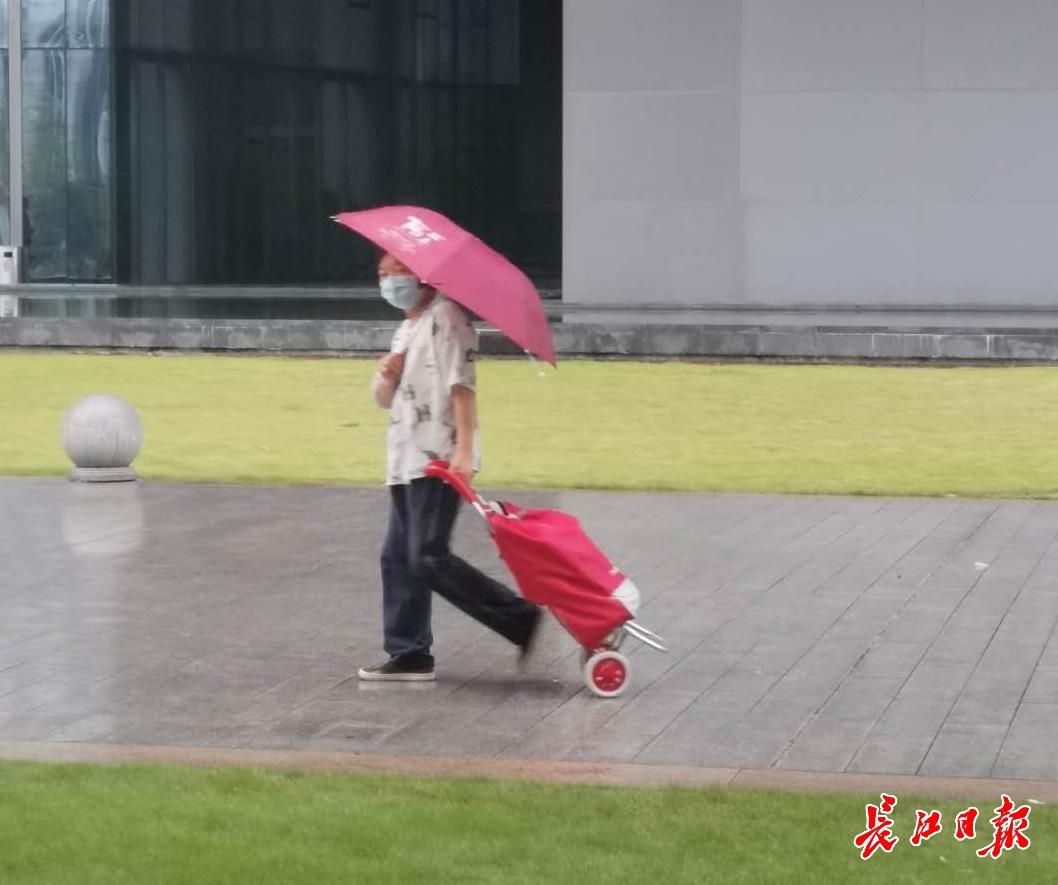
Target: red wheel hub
{"type": "Point", "coordinates": [608, 675]}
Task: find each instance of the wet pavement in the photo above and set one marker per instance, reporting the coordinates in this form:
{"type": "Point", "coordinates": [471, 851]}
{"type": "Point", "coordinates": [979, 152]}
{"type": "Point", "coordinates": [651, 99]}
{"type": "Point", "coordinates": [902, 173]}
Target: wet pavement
{"type": "Point", "coordinates": [902, 636]}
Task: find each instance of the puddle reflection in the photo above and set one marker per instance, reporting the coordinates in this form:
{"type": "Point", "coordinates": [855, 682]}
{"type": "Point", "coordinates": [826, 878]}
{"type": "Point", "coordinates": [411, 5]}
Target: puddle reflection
{"type": "Point", "coordinates": [103, 519]}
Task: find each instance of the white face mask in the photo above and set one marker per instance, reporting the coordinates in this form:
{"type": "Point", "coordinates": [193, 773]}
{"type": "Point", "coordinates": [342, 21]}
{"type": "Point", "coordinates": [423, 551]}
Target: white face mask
{"type": "Point", "coordinates": [400, 291]}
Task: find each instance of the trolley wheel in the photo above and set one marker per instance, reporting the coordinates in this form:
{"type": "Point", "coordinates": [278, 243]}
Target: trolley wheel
{"type": "Point", "coordinates": [606, 673]}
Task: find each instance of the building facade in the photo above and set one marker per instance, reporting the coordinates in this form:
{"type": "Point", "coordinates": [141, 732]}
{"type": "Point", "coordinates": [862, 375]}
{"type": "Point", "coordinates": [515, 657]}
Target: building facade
{"type": "Point", "coordinates": [702, 153]}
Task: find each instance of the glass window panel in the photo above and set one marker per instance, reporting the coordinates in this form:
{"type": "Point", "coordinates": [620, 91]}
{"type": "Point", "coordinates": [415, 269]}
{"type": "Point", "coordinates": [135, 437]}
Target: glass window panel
{"type": "Point", "coordinates": [254, 26]}
{"type": "Point", "coordinates": [477, 55]}
{"type": "Point", "coordinates": [477, 12]}
{"type": "Point", "coordinates": [43, 23]}
{"type": "Point", "coordinates": [88, 23]}
{"type": "Point", "coordinates": [403, 145]}
{"type": "Point", "coordinates": [181, 17]}
{"type": "Point", "coordinates": [44, 162]}
{"type": "Point", "coordinates": [446, 45]}
{"type": "Point", "coordinates": [401, 62]}
{"type": "Point", "coordinates": [88, 165]}
{"type": "Point", "coordinates": [348, 36]}
{"type": "Point", "coordinates": [291, 111]}
{"type": "Point", "coordinates": [5, 160]}
{"type": "Point", "coordinates": [333, 148]}
{"type": "Point", "coordinates": [179, 176]}
{"type": "Point", "coordinates": [425, 165]}
{"type": "Point", "coordinates": [146, 179]}
{"type": "Point", "coordinates": [425, 54]}
{"type": "Point", "coordinates": [364, 148]}
{"type": "Point", "coordinates": [503, 33]}
{"type": "Point", "coordinates": [293, 27]}
{"type": "Point", "coordinates": [145, 22]}
{"type": "Point", "coordinates": [3, 24]}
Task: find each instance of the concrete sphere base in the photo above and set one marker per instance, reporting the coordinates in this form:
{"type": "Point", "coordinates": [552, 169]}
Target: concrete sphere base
{"type": "Point", "coordinates": [102, 474]}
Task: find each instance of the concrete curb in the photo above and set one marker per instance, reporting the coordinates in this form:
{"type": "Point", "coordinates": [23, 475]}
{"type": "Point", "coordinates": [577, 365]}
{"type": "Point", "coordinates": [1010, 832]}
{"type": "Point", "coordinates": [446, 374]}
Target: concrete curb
{"type": "Point", "coordinates": [601, 773]}
{"type": "Point", "coordinates": [584, 338]}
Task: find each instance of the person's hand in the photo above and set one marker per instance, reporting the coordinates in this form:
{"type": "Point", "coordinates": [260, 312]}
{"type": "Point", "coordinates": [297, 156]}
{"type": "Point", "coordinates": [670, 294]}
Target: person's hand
{"type": "Point", "coordinates": [392, 366]}
{"type": "Point", "coordinates": [462, 464]}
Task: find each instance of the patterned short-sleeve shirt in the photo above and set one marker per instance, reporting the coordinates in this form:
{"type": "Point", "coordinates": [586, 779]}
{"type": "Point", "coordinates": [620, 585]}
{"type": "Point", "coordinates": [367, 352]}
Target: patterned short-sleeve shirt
{"type": "Point", "coordinates": [439, 347]}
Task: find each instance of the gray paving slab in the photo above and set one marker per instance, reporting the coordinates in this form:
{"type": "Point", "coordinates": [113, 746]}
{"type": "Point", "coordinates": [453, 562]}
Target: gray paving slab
{"type": "Point", "coordinates": [1029, 742]}
{"type": "Point", "coordinates": [859, 635]}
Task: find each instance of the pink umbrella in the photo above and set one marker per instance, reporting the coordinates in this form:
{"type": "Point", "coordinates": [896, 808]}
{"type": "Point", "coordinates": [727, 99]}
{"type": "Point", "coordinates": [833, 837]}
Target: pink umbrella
{"type": "Point", "coordinates": [453, 260]}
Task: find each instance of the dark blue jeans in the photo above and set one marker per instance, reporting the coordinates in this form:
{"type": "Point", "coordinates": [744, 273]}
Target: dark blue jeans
{"type": "Point", "coordinates": [416, 559]}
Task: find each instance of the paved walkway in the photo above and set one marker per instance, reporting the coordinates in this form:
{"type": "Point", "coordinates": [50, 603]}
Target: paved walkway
{"type": "Point", "coordinates": [857, 635]}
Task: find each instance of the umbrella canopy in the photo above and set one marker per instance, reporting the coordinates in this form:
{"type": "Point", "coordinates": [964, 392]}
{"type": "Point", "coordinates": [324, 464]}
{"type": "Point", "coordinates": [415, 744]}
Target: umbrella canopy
{"type": "Point", "coordinates": [442, 254]}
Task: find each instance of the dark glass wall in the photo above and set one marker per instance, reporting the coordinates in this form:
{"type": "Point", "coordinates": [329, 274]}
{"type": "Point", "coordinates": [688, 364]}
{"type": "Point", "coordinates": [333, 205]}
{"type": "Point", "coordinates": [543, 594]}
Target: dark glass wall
{"type": "Point", "coordinates": [242, 125]}
{"type": "Point", "coordinates": [66, 139]}
{"type": "Point", "coordinates": [5, 158]}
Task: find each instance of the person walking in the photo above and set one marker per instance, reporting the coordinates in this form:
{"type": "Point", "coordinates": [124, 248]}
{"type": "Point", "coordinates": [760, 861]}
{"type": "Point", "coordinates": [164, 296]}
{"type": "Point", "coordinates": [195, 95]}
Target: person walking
{"type": "Point", "coordinates": [427, 381]}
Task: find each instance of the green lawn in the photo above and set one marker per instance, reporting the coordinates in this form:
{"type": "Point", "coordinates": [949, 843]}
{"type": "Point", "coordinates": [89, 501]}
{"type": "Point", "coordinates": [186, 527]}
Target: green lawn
{"type": "Point", "coordinates": [85, 825]}
{"type": "Point", "coordinates": [738, 427]}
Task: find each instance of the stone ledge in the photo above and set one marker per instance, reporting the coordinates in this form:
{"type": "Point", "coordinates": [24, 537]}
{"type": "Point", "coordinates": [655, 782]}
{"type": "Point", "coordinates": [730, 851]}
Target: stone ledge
{"type": "Point", "coordinates": [571, 339]}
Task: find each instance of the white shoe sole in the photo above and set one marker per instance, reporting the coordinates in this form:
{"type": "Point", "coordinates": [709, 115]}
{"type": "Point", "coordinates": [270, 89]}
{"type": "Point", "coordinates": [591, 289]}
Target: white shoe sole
{"type": "Point", "coordinates": [369, 676]}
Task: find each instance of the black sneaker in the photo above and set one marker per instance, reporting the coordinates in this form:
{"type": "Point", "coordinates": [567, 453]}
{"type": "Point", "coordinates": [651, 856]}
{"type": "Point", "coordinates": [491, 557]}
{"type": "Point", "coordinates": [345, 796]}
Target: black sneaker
{"type": "Point", "coordinates": [399, 670]}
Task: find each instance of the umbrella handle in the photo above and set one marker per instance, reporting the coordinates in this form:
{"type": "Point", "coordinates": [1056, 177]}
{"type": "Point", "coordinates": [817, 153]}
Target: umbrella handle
{"type": "Point", "coordinates": [439, 470]}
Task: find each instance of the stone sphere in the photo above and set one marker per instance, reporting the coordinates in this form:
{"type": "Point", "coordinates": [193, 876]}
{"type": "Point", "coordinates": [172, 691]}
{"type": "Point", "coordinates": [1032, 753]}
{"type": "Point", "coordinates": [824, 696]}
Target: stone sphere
{"type": "Point", "coordinates": [102, 431]}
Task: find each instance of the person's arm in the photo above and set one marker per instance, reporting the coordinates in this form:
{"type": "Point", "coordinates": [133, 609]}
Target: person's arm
{"type": "Point", "coordinates": [383, 388]}
{"type": "Point", "coordinates": [464, 410]}
{"type": "Point", "coordinates": [386, 379]}
{"type": "Point", "coordinates": [457, 345]}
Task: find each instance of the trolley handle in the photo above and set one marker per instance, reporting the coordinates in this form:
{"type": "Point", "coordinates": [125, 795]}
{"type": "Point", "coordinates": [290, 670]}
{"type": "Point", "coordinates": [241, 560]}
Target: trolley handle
{"type": "Point", "coordinates": [439, 470]}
